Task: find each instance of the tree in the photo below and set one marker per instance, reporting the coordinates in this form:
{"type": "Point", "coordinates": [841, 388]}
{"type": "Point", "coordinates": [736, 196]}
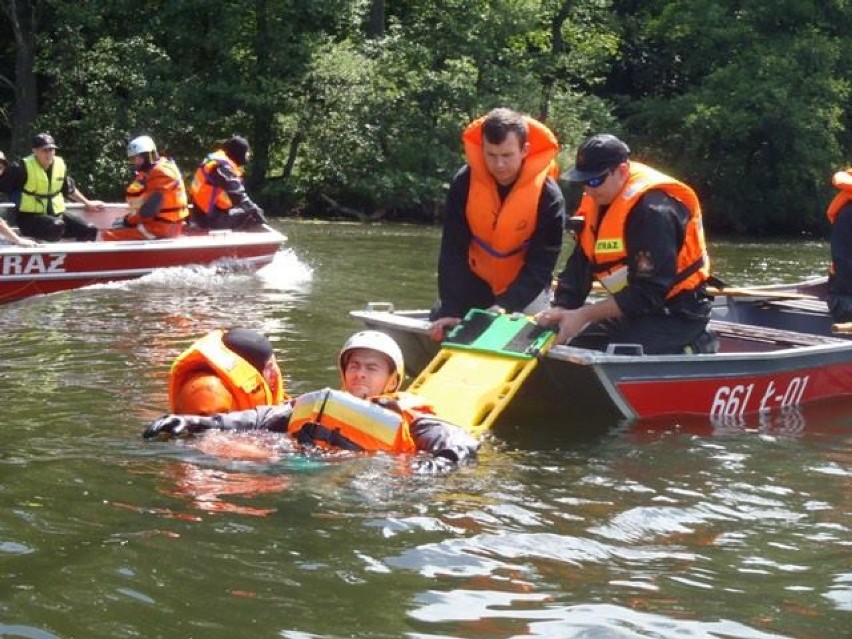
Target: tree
{"type": "Point", "coordinates": [745, 100]}
{"type": "Point", "coordinates": [24, 18]}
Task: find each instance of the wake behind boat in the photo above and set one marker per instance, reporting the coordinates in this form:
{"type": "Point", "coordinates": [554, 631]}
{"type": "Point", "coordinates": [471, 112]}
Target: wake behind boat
{"type": "Point", "coordinates": [59, 266]}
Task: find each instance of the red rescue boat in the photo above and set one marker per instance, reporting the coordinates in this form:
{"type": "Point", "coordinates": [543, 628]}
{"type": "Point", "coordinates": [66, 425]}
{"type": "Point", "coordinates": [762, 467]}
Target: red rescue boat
{"type": "Point", "coordinates": [60, 266]}
{"type": "Point", "coordinates": [758, 369]}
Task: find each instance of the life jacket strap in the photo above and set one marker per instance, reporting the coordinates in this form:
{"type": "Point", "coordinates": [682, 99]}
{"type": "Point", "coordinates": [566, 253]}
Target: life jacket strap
{"type": "Point", "coordinates": [312, 432]}
{"type": "Point", "coordinates": [498, 254]}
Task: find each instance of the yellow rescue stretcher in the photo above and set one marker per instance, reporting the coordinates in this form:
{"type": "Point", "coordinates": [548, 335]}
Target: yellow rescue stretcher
{"type": "Point", "coordinates": [481, 365]}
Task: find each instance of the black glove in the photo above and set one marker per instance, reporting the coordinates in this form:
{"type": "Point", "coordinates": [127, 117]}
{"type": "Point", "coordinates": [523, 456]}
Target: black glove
{"type": "Point", "coordinates": [432, 466]}
{"type": "Point", "coordinates": [457, 454]}
{"type": "Point", "coordinates": [169, 426]}
{"type": "Point", "coordinates": [258, 216]}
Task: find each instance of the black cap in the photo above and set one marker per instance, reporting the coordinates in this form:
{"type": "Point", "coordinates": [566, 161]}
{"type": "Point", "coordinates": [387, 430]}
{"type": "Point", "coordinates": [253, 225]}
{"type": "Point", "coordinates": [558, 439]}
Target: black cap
{"type": "Point", "coordinates": [236, 148]}
{"type": "Point", "coordinates": [250, 345]}
{"type": "Point", "coordinates": [44, 141]}
{"type": "Point", "coordinates": [597, 155]}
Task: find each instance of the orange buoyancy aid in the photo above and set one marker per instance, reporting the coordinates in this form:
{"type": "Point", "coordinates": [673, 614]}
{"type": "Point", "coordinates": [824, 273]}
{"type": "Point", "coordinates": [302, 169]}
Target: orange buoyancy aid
{"type": "Point", "coordinates": [843, 181]}
{"type": "Point", "coordinates": [501, 231]}
{"type": "Point", "coordinates": [163, 177]}
{"type": "Point", "coordinates": [205, 194]}
{"type": "Point", "coordinates": [246, 384]}
{"type": "Point", "coordinates": [604, 244]}
{"type": "Point", "coordinates": [339, 419]}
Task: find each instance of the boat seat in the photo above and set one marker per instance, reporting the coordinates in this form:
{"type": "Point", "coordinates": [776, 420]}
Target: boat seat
{"type": "Point", "coordinates": [809, 306]}
{"type": "Point", "coordinates": [771, 335]}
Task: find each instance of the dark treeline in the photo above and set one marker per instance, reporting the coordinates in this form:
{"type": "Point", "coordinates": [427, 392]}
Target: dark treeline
{"type": "Point", "coordinates": [355, 107]}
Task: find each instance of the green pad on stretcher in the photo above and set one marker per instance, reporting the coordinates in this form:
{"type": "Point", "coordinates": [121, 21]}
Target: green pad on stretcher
{"type": "Point", "coordinates": [480, 367]}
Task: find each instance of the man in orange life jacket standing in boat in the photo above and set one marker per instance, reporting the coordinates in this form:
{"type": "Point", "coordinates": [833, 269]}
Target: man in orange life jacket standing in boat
{"type": "Point", "coordinates": [642, 238]}
{"type": "Point", "coordinates": [369, 414]}
{"type": "Point", "coordinates": [218, 191]}
{"type": "Point", "coordinates": [225, 371]}
{"type": "Point", "coordinates": [42, 181]}
{"type": "Point", "coordinates": [840, 271]}
{"type": "Point", "coordinates": [157, 197]}
{"type": "Point", "coordinates": [503, 221]}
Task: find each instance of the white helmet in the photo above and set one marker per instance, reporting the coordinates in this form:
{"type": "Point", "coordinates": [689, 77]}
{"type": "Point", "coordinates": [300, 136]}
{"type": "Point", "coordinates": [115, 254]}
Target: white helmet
{"type": "Point", "coordinates": [142, 144]}
{"type": "Point", "coordinates": [375, 341]}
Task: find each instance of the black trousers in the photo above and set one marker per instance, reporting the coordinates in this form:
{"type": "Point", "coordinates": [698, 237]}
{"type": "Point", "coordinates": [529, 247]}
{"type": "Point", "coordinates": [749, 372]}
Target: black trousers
{"type": "Point", "coordinates": [656, 334]}
{"type": "Point", "coordinates": [51, 228]}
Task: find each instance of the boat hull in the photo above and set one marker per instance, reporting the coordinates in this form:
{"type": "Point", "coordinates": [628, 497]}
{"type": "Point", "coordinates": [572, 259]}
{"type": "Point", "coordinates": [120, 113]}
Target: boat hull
{"type": "Point", "coordinates": [757, 370]}
{"type": "Point", "coordinates": [61, 266]}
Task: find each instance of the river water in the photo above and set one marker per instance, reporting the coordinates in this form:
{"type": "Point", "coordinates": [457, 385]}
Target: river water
{"type": "Point", "coordinates": [679, 529]}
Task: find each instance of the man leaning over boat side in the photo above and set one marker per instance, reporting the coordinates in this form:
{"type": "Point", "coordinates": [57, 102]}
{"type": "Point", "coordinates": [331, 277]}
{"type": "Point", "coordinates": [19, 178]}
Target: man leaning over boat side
{"type": "Point", "coordinates": [157, 196]}
{"type": "Point", "coordinates": [368, 415]}
{"type": "Point", "coordinates": [42, 182]}
{"type": "Point", "coordinates": [225, 371]}
{"type": "Point", "coordinates": [642, 238]}
{"type": "Point", "coordinates": [503, 221]}
{"type": "Point", "coordinates": [840, 270]}
{"type": "Point", "coordinates": [218, 190]}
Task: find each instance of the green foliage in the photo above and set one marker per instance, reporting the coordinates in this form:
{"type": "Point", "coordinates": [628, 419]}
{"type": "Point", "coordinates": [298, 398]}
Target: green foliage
{"type": "Point", "coordinates": [744, 100]}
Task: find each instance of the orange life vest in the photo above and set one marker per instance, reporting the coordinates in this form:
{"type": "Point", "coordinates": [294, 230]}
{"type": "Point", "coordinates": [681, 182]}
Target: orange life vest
{"type": "Point", "coordinates": [604, 245]}
{"type": "Point", "coordinates": [502, 230]}
{"type": "Point", "coordinates": [247, 386]}
{"type": "Point", "coordinates": [843, 181]}
{"type": "Point", "coordinates": [163, 177]}
{"type": "Point", "coordinates": [205, 195]}
{"type": "Point", "coordinates": [338, 419]}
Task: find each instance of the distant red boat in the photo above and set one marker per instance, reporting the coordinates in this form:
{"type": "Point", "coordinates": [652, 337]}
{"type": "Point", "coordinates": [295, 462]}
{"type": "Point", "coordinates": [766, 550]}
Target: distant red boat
{"type": "Point", "coordinates": [65, 265]}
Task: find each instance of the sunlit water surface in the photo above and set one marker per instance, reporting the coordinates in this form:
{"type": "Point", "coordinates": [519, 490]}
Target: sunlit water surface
{"type": "Point", "coordinates": [674, 530]}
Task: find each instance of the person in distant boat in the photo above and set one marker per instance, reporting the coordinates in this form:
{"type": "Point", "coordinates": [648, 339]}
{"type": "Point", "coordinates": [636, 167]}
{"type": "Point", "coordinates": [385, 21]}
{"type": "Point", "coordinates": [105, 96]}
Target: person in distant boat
{"type": "Point", "coordinates": [642, 238]}
{"type": "Point", "coordinates": [42, 182]}
{"type": "Point", "coordinates": [156, 196]}
{"type": "Point", "coordinates": [503, 221]}
{"type": "Point", "coordinates": [6, 231]}
{"type": "Point", "coordinates": [369, 414]}
{"type": "Point", "coordinates": [218, 191]}
{"type": "Point", "coordinates": [840, 270]}
{"type": "Point", "coordinates": [224, 371]}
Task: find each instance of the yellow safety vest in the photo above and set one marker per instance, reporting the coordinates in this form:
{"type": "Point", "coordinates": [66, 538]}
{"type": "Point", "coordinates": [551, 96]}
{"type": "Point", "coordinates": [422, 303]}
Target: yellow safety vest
{"type": "Point", "coordinates": [40, 191]}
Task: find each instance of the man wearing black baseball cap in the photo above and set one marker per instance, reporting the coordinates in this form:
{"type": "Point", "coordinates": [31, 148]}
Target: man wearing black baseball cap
{"type": "Point", "coordinates": [43, 183]}
{"type": "Point", "coordinates": [642, 239]}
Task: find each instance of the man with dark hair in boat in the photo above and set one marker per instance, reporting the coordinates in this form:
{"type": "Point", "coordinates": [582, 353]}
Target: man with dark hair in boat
{"type": "Point", "coordinates": [225, 371]}
{"type": "Point", "coordinates": [43, 183]}
{"type": "Point", "coordinates": [369, 414]}
{"type": "Point", "coordinates": [503, 221]}
{"type": "Point", "coordinates": [218, 191]}
{"type": "Point", "coordinates": [157, 197]}
{"type": "Point", "coordinates": [642, 238]}
{"type": "Point", "coordinates": [840, 271]}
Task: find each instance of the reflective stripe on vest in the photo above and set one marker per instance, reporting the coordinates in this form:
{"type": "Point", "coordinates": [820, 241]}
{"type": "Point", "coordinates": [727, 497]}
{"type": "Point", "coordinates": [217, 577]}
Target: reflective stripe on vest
{"type": "Point", "coordinates": [205, 195]}
{"type": "Point", "coordinates": [501, 231]}
{"type": "Point", "coordinates": [603, 242]}
{"type": "Point", "coordinates": [339, 419]}
{"type": "Point", "coordinates": [247, 386]}
{"type": "Point", "coordinates": [39, 192]}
